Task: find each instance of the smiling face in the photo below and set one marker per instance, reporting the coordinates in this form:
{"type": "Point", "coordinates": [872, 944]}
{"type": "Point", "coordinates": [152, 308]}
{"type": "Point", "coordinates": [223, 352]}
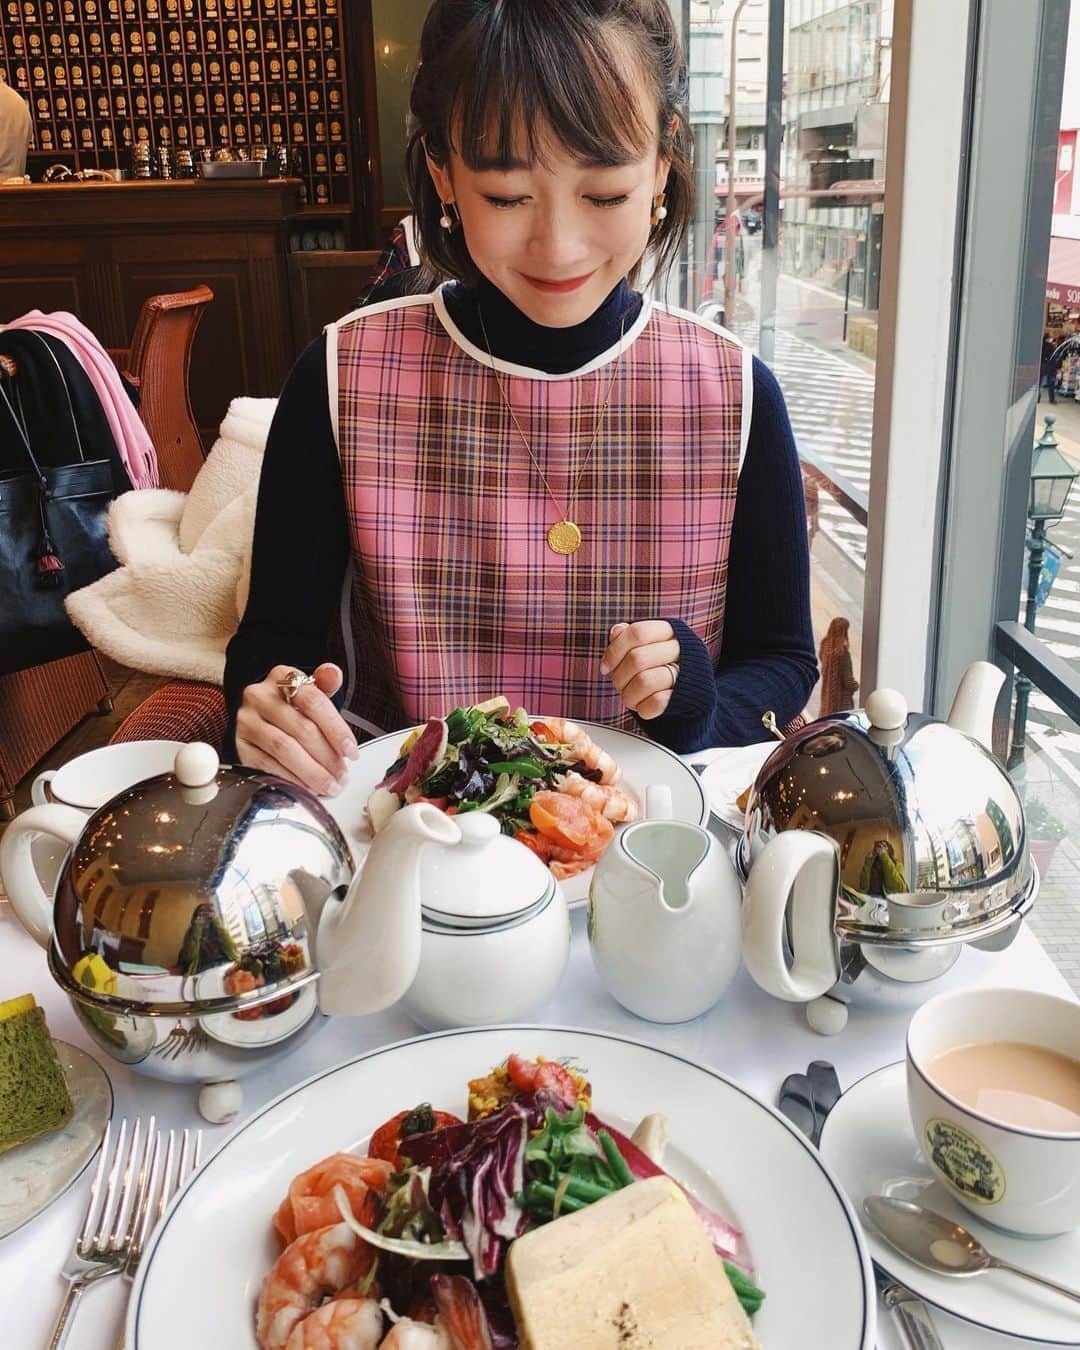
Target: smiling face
{"type": "Point", "coordinates": [555, 193]}
{"type": "Point", "coordinates": [554, 233]}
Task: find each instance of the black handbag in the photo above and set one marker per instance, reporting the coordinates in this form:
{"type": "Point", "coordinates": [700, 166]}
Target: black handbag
{"type": "Point", "coordinates": [53, 540]}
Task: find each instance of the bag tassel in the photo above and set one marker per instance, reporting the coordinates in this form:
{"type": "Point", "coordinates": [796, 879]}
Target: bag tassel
{"type": "Point", "coordinates": [50, 567]}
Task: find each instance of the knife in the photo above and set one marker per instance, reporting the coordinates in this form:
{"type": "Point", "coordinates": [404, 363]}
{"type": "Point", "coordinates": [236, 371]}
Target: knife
{"type": "Point", "coordinates": [806, 1099]}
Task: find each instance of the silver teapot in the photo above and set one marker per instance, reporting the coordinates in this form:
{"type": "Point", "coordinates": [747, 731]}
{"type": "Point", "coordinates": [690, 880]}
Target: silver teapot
{"type": "Point", "coordinates": [877, 844]}
{"type": "Point", "coordinates": [196, 910]}
{"type": "Point", "coordinates": [182, 925]}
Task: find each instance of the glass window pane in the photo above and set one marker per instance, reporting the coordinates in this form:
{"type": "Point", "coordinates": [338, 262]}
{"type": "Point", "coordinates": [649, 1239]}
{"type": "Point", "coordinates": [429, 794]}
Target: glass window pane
{"type": "Point", "coordinates": [397, 25]}
{"type": "Point", "coordinates": [1045, 744]}
{"type": "Point", "coordinates": [832, 172]}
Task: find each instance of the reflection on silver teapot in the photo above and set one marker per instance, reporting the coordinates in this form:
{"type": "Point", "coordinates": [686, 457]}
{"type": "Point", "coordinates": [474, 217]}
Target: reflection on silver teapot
{"type": "Point", "coordinates": [877, 844]}
{"type": "Point", "coordinates": [195, 912]}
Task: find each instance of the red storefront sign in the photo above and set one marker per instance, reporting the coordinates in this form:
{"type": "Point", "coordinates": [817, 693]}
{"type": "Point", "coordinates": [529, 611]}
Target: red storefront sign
{"type": "Point", "coordinates": [1063, 272]}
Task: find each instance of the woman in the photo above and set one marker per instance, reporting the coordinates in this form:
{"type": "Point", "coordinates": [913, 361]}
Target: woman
{"type": "Point", "coordinates": [529, 481]}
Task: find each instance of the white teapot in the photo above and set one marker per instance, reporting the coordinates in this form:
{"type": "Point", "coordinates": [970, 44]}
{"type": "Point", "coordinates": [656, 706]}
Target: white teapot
{"type": "Point", "coordinates": [470, 929]}
{"type": "Point", "coordinates": [878, 843]}
{"type": "Point", "coordinates": [195, 912]}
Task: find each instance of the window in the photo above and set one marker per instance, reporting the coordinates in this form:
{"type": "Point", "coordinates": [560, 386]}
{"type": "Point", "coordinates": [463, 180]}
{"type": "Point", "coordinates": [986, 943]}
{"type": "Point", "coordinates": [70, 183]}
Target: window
{"type": "Point", "coordinates": [820, 316]}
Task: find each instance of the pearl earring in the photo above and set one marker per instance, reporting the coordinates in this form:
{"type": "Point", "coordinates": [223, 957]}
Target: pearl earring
{"type": "Point", "coordinates": [659, 209]}
{"type": "Point", "coordinates": [446, 220]}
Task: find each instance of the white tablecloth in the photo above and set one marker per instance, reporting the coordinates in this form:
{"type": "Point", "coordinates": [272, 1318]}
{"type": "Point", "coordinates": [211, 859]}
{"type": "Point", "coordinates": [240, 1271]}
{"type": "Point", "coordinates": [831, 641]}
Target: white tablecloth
{"type": "Point", "coordinates": [749, 1035]}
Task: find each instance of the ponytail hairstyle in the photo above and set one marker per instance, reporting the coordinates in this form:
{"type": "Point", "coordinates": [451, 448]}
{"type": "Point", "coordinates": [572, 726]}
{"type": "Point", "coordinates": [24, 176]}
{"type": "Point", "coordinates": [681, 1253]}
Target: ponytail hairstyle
{"type": "Point", "coordinates": [490, 70]}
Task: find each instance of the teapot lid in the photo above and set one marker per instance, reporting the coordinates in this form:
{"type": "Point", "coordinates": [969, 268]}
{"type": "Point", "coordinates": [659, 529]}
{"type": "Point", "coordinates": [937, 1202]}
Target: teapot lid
{"type": "Point", "coordinates": [928, 827]}
{"type": "Point", "coordinates": [189, 893]}
{"type": "Point", "coordinates": [486, 880]}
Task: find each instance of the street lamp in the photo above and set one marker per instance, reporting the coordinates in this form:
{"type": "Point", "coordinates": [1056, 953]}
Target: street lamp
{"type": "Point", "coordinates": [1052, 477]}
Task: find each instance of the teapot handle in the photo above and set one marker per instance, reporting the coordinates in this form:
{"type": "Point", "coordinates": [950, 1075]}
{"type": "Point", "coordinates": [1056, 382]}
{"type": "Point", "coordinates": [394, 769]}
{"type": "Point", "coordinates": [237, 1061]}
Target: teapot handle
{"type": "Point", "coordinates": [32, 906]}
{"type": "Point", "coordinates": [799, 868]}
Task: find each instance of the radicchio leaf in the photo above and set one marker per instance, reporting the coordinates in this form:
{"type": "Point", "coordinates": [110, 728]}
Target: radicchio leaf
{"type": "Point", "coordinates": [424, 755]}
{"type": "Point", "coordinates": [477, 1170]}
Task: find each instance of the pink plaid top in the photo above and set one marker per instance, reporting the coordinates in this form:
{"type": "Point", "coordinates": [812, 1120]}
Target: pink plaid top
{"type": "Point", "coordinates": [453, 594]}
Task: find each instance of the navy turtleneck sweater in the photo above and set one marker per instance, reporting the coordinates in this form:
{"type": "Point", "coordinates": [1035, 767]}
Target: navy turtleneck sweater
{"type": "Point", "coordinates": [767, 653]}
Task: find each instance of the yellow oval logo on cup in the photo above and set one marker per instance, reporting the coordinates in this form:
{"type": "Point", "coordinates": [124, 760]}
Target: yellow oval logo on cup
{"type": "Point", "coordinates": [964, 1162]}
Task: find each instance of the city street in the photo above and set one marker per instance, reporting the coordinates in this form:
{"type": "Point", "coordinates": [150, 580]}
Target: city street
{"type": "Point", "coordinates": [830, 396]}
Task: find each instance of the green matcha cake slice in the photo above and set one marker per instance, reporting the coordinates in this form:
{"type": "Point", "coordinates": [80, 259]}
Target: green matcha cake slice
{"type": "Point", "coordinates": [34, 1098]}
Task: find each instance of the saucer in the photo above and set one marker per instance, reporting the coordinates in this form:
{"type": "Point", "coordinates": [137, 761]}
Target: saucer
{"type": "Point", "coordinates": [869, 1144]}
{"type": "Point", "coordinates": [33, 1175]}
{"type": "Point", "coordinates": [729, 775]}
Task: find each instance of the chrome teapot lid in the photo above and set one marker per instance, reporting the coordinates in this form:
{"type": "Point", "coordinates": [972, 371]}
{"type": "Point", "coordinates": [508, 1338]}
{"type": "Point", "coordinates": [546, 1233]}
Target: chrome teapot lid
{"type": "Point", "coordinates": [928, 826]}
{"type": "Point", "coordinates": [196, 892]}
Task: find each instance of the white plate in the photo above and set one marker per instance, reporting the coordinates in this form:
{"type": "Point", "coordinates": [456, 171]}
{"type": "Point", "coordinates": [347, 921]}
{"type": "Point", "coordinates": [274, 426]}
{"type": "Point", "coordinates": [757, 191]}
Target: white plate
{"type": "Point", "coordinates": [642, 762]}
{"type": "Point", "coordinates": [870, 1145]}
{"type": "Point", "coordinates": [729, 775]}
{"type": "Point", "coordinates": [739, 1156]}
{"type": "Point", "coordinates": [33, 1175]}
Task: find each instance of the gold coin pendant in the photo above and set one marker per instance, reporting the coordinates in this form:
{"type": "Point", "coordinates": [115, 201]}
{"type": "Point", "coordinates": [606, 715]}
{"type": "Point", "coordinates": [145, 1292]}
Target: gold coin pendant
{"type": "Point", "coordinates": [564, 537]}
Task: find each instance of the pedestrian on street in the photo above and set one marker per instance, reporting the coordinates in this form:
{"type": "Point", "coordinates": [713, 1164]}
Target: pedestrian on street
{"type": "Point", "coordinates": [1048, 367]}
{"type": "Point", "coordinates": [15, 129]}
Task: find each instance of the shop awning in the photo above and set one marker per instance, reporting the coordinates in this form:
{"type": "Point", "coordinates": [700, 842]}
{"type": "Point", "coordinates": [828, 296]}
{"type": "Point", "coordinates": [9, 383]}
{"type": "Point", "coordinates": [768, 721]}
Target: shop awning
{"type": "Point", "coordinates": [1063, 272]}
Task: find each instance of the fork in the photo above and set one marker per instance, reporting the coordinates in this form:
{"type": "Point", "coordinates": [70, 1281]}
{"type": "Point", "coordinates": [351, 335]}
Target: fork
{"type": "Point", "coordinates": [173, 1172]}
{"type": "Point", "coordinates": [108, 1229]}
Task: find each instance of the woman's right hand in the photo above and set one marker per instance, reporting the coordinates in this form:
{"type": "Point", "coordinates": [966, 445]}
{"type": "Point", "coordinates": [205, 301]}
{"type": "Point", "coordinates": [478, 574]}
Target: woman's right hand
{"type": "Point", "coordinates": [306, 741]}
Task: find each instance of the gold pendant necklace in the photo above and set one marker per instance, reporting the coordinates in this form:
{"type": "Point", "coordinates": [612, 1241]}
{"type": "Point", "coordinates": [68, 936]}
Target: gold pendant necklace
{"type": "Point", "coordinates": [564, 537]}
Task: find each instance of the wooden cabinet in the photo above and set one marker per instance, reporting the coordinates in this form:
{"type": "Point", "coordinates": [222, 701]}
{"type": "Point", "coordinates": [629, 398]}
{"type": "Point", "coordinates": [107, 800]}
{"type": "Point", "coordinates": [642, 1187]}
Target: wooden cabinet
{"type": "Point", "coordinates": [324, 286]}
{"type": "Point", "coordinates": [98, 250]}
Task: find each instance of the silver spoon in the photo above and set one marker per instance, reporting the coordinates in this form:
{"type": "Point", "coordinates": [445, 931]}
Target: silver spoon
{"type": "Point", "coordinates": [936, 1243]}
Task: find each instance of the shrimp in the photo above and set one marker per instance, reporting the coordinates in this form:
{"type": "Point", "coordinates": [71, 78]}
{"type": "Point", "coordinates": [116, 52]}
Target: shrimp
{"type": "Point", "coordinates": [579, 741]}
{"type": "Point", "coordinates": [461, 1313]}
{"type": "Point", "coordinates": [324, 1261]}
{"type": "Point", "coordinates": [343, 1324]}
{"type": "Point", "coordinates": [310, 1202]}
{"type": "Point", "coordinates": [564, 871]}
{"type": "Point", "coordinates": [610, 801]}
{"type": "Point", "coordinates": [461, 1323]}
{"type": "Point", "coordinates": [406, 1334]}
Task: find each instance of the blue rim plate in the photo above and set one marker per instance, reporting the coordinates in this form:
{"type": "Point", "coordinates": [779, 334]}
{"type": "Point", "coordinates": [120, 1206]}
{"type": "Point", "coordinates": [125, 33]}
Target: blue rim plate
{"type": "Point", "coordinates": [738, 1155]}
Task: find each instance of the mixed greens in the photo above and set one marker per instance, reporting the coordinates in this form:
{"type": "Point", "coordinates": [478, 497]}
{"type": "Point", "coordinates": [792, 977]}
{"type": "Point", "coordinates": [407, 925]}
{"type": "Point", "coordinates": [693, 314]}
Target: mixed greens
{"type": "Point", "coordinates": [492, 760]}
{"type": "Point", "coordinates": [474, 1187]}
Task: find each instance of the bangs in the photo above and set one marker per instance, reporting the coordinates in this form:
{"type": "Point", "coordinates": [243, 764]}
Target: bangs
{"type": "Point", "coordinates": [541, 76]}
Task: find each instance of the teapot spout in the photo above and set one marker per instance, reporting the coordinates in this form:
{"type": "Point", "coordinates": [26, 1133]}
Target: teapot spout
{"type": "Point", "coordinates": [368, 945]}
{"type": "Point", "coordinates": [972, 710]}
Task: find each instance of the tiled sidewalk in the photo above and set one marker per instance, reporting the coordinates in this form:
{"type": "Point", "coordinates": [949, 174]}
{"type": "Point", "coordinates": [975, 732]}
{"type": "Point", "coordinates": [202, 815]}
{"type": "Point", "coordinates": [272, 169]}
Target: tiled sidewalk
{"type": "Point", "coordinates": [1055, 918]}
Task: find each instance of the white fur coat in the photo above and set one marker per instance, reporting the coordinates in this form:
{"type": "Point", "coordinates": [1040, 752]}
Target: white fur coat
{"type": "Point", "coordinates": [172, 605]}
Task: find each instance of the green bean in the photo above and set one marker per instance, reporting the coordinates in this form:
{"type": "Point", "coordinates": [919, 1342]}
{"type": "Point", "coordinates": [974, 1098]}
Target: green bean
{"type": "Point", "coordinates": [537, 1192]}
{"type": "Point", "coordinates": [749, 1295]}
{"type": "Point", "coordinates": [616, 1161]}
{"type": "Point", "coordinates": [581, 1189]}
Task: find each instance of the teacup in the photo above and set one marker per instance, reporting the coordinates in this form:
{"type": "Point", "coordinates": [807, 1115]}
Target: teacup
{"type": "Point", "coordinates": [1022, 1178]}
{"type": "Point", "coordinates": [89, 781]}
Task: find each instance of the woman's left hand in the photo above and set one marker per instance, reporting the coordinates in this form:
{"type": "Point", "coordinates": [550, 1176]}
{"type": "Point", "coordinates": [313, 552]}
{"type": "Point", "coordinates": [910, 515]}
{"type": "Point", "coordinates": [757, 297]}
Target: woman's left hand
{"type": "Point", "coordinates": [642, 660]}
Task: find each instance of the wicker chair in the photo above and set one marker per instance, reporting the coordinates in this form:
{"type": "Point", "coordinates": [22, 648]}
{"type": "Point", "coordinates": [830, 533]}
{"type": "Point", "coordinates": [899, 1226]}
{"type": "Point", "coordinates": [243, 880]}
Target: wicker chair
{"type": "Point", "coordinates": [182, 710]}
{"type": "Point", "coordinates": [39, 706]}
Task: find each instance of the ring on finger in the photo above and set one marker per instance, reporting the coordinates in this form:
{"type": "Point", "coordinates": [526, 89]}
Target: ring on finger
{"type": "Point", "coordinates": [291, 685]}
{"type": "Point", "coordinates": [674, 668]}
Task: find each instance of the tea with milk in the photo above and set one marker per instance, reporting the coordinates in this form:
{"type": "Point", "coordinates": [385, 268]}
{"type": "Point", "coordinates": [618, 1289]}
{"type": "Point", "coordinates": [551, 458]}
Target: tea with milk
{"type": "Point", "coordinates": [1013, 1082]}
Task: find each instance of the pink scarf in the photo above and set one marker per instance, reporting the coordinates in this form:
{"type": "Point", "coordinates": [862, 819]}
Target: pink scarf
{"type": "Point", "coordinates": [132, 439]}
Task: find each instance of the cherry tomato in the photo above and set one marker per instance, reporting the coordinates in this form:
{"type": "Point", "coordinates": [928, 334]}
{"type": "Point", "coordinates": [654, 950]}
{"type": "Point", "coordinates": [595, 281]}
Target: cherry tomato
{"type": "Point", "coordinates": [387, 1140]}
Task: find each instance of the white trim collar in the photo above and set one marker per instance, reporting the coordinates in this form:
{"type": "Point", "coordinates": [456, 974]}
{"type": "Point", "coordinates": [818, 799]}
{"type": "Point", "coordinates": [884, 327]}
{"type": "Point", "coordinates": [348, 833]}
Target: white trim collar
{"type": "Point", "coordinates": [528, 372]}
